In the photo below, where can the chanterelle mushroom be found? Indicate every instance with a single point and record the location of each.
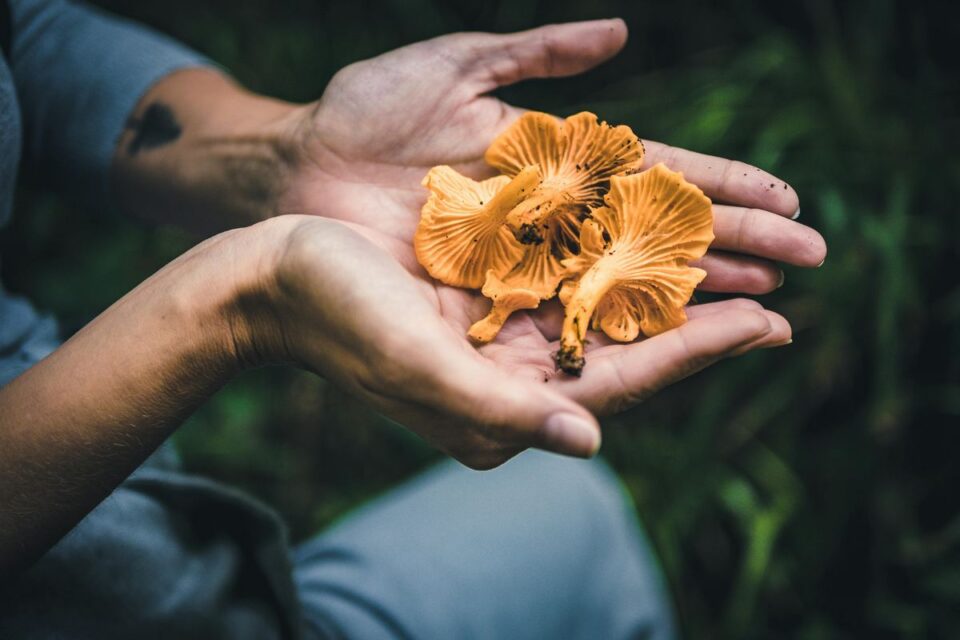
(507, 298)
(577, 156)
(633, 264)
(462, 235)
(538, 274)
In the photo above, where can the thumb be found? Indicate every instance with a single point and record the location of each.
(513, 412)
(626, 374)
(555, 50)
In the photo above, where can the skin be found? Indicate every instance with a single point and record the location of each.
(337, 290)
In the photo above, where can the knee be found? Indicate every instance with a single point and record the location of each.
(588, 487)
(630, 594)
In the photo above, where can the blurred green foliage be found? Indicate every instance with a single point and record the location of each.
(806, 492)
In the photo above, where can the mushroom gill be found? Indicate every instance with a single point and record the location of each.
(577, 156)
(539, 272)
(632, 274)
(461, 235)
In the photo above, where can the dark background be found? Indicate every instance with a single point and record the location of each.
(806, 492)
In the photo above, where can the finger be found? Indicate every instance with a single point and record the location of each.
(695, 311)
(731, 273)
(597, 340)
(728, 181)
(728, 273)
(556, 50)
(623, 375)
(510, 412)
(767, 235)
(549, 317)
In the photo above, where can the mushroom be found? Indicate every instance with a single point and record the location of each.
(578, 156)
(462, 235)
(507, 298)
(539, 273)
(632, 274)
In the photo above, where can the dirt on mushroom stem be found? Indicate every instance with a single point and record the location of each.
(590, 290)
(568, 361)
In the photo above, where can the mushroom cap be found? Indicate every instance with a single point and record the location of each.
(632, 272)
(578, 155)
(461, 234)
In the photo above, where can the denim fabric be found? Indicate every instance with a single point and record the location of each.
(166, 555)
(78, 74)
(9, 140)
(542, 547)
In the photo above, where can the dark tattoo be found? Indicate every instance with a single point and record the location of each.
(155, 128)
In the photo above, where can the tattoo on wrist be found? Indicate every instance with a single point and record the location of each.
(253, 169)
(156, 127)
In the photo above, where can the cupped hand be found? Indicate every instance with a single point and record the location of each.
(398, 339)
(383, 123)
(352, 304)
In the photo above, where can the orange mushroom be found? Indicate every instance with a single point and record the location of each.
(462, 235)
(539, 273)
(578, 156)
(632, 273)
(507, 298)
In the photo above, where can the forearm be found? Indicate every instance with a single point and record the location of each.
(202, 152)
(75, 425)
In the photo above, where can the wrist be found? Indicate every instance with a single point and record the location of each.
(290, 305)
(246, 266)
(202, 294)
(201, 151)
(86, 416)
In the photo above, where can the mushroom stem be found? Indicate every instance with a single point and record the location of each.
(514, 193)
(486, 329)
(527, 217)
(593, 285)
(506, 299)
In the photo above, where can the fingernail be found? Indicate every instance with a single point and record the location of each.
(571, 434)
(821, 263)
(774, 345)
(783, 277)
(796, 215)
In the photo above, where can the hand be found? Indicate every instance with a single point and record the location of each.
(382, 123)
(352, 304)
(367, 143)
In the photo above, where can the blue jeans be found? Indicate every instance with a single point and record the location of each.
(543, 547)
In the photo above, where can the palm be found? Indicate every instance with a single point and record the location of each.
(418, 121)
(383, 123)
(422, 121)
(524, 347)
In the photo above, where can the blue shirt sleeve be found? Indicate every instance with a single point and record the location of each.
(78, 74)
